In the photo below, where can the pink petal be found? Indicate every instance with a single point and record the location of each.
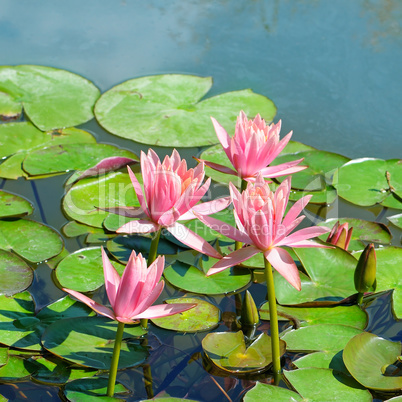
(233, 259)
(140, 226)
(207, 208)
(112, 278)
(163, 310)
(295, 210)
(223, 137)
(169, 217)
(152, 296)
(138, 190)
(218, 167)
(303, 234)
(283, 169)
(192, 240)
(282, 261)
(107, 312)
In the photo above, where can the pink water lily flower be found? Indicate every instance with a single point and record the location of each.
(171, 194)
(131, 295)
(252, 148)
(261, 224)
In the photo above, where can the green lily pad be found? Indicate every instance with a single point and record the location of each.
(17, 140)
(328, 360)
(192, 279)
(83, 270)
(347, 315)
(363, 181)
(389, 262)
(266, 392)
(366, 354)
(20, 328)
(89, 342)
(3, 356)
(16, 275)
(67, 157)
(74, 229)
(203, 317)
(332, 386)
(82, 201)
(320, 337)
(86, 390)
(228, 351)
(163, 109)
(367, 231)
(396, 220)
(51, 98)
(16, 369)
(31, 240)
(10, 109)
(12, 205)
(321, 165)
(330, 277)
(121, 247)
(113, 221)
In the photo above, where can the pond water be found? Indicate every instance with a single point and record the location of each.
(331, 68)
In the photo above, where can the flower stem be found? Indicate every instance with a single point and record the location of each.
(243, 186)
(115, 359)
(154, 247)
(276, 353)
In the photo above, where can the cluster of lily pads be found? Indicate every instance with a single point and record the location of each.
(65, 344)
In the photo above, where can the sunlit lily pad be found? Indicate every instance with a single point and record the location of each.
(88, 389)
(389, 263)
(82, 201)
(165, 110)
(10, 109)
(15, 274)
(67, 157)
(347, 315)
(366, 354)
(89, 341)
(320, 337)
(121, 247)
(17, 140)
(31, 240)
(83, 270)
(3, 356)
(330, 277)
(113, 221)
(203, 317)
(266, 392)
(20, 328)
(17, 369)
(73, 229)
(321, 166)
(329, 360)
(228, 351)
(317, 385)
(363, 181)
(12, 205)
(51, 98)
(396, 220)
(192, 279)
(362, 231)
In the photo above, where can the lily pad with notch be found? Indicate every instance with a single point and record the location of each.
(12, 205)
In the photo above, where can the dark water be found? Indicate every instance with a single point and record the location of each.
(332, 69)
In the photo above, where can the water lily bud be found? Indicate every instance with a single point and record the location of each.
(249, 313)
(366, 269)
(340, 235)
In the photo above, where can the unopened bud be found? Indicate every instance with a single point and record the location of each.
(366, 269)
(249, 313)
(340, 235)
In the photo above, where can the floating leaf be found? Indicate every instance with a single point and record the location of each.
(332, 386)
(74, 229)
(10, 109)
(347, 315)
(330, 277)
(88, 389)
(31, 240)
(366, 231)
(15, 274)
(89, 341)
(83, 270)
(228, 351)
(17, 140)
(3, 356)
(396, 220)
(363, 181)
(51, 98)
(67, 157)
(389, 262)
(203, 317)
(364, 357)
(192, 279)
(165, 110)
(16, 369)
(329, 360)
(266, 392)
(320, 337)
(12, 205)
(321, 165)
